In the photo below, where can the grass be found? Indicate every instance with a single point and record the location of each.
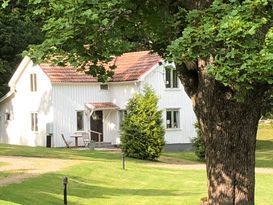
(264, 150)
(4, 175)
(99, 179)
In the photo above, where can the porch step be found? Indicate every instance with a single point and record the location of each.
(103, 145)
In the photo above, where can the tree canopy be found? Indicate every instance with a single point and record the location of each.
(223, 50)
(237, 37)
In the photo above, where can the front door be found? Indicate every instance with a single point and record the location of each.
(96, 125)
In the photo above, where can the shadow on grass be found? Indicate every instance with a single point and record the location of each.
(264, 153)
(48, 189)
(264, 145)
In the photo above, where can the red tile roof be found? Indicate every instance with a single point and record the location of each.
(102, 105)
(129, 67)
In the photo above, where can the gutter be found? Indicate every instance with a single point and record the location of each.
(10, 93)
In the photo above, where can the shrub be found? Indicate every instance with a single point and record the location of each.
(199, 144)
(142, 131)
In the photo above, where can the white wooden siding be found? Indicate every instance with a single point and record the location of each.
(172, 98)
(22, 104)
(69, 98)
(57, 104)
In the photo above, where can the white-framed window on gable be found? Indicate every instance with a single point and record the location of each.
(171, 79)
(34, 121)
(33, 82)
(172, 119)
(80, 121)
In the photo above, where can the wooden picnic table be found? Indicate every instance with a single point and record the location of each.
(76, 136)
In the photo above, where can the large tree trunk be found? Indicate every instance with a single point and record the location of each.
(230, 128)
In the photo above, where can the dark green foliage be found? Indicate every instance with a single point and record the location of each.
(199, 144)
(142, 134)
(18, 29)
(238, 40)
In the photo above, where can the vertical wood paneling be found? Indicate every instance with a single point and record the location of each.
(173, 98)
(24, 102)
(58, 104)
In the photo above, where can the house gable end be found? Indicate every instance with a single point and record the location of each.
(22, 66)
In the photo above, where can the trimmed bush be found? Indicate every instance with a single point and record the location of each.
(199, 144)
(142, 131)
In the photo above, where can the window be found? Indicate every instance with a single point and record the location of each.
(33, 82)
(34, 121)
(171, 77)
(7, 116)
(122, 114)
(80, 126)
(172, 119)
(104, 87)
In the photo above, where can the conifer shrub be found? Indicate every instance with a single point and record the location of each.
(199, 144)
(142, 131)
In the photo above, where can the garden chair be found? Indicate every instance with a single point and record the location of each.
(67, 143)
(86, 139)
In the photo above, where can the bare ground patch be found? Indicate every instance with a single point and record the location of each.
(23, 168)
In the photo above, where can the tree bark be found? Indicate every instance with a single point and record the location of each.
(230, 128)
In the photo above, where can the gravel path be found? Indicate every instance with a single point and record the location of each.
(26, 167)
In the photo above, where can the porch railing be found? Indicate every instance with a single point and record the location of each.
(98, 133)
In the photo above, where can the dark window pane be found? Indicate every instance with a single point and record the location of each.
(122, 114)
(168, 78)
(79, 120)
(175, 83)
(34, 82)
(32, 121)
(31, 84)
(176, 119)
(104, 87)
(168, 119)
(36, 121)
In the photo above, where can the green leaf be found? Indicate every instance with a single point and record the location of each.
(5, 3)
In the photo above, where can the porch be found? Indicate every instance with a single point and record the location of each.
(101, 122)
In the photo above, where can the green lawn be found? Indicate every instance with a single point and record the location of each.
(264, 150)
(99, 179)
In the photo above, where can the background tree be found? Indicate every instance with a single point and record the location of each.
(142, 131)
(18, 29)
(223, 54)
(198, 143)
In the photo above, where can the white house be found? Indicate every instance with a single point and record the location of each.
(46, 100)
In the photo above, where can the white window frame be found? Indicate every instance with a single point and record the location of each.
(34, 121)
(33, 82)
(8, 116)
(77, 123)
(171, 83)
(172, 122)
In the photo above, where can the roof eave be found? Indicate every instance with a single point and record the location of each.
(19, 71)
(10, 93)
(144, 75)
